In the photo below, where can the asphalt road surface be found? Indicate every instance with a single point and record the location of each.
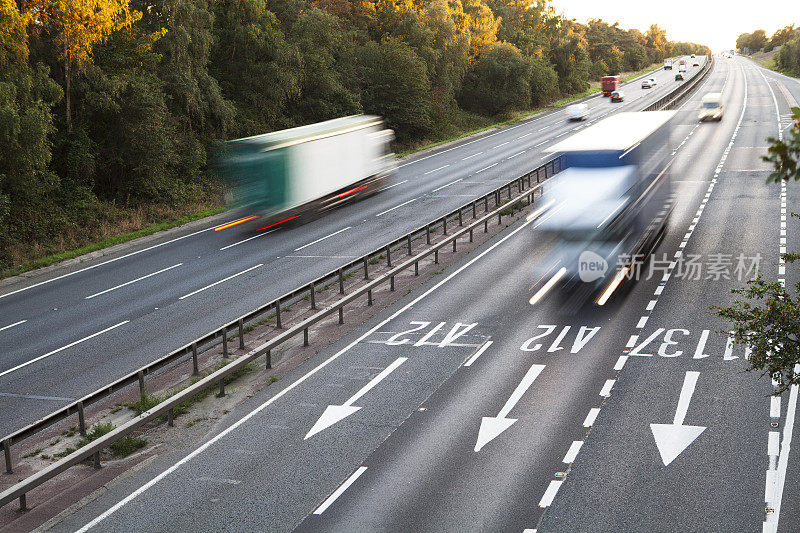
(464, 408)
(70, 331)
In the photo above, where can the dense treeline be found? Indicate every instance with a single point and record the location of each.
(786, 40)
(108, 107)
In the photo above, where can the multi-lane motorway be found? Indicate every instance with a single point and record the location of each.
(71, 330)
(463, 407)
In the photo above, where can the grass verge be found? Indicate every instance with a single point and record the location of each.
(111, 241)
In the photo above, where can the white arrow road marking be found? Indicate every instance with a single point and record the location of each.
(335, 413)
(492, 426)
(672, 439)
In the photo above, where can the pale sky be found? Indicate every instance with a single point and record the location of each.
(714, 23)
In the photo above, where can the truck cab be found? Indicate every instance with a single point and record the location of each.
(606, 211)
(711, 107)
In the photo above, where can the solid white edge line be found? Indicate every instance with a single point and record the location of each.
(107, 262)
(247, 239)
(70, 345)
(478, 353)
(395, 207)
(449, 184)
(221, 281)
(12, 325)
(292, 386)
(323, 238)
(338, 492)
(550, 493)
(132, 281)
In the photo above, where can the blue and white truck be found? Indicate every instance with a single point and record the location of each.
(605, 213)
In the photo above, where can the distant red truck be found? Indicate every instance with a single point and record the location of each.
(609, 84)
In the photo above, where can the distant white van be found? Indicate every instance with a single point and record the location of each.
(711, 107)
(577, 112)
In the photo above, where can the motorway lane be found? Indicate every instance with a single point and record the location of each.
(718, 481)
(158, 321)
(448, 484)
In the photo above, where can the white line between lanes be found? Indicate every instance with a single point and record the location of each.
(478, 353)
(12, 325)
(572, 453)
(106, 262)
(435, 169)
(132, 281)
(470, 156)
(197, 451)
(501, 144)
(247, 239)
(593, 412)
(449, 184)
(70, 345)
(323, 238)
(550, 493)
(338, 492)
(515, 155)
(392, 185)
(487, 168)
(221, 281)
(395, 207)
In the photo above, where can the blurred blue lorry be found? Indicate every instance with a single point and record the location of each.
(605, 213)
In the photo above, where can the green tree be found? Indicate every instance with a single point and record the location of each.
(499, 82)
(768, 319)
(394, 84)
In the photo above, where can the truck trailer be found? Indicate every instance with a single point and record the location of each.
(609, 84)
(294, 174)
(606, 211)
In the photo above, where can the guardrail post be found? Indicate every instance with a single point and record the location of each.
(436, 256)
(486, 226)
(428, 233)
(474, 214)
(341, 315)
(7, 453)
(454, 245)
(221, 388)
(269, 359)
(278, 314)
(81, 420)
(305, 337)
(460, 218)
(509, 191)
(391, 283)
(366, 268)
(470, 234)
(486, 204)
(341, 281)
(170, 418)
(416, 268)
(241, 334)
(23, 502)
(497, 198)
(195, 369)
(142, 389)
(409, 245)
(313, 294)
(97, 460)
(369, 297)
(389, 256)
(444, 225)
(537, 175)
(225, 342)
(499, 218)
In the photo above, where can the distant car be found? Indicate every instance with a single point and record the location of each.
(679, 76)
(711, 108)
(617, 96)
(692, 56)
(577, 112)
(646, 84)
